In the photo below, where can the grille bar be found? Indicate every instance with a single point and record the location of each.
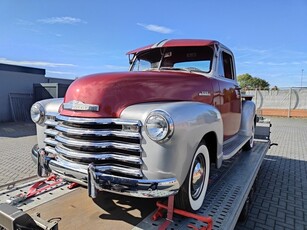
(50, 141)
(96, 132)
(95, 121)
(96, 144)
(50, 150)
(51, 123)
(51, 132)
(94, 157)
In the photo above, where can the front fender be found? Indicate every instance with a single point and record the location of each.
(51, 107)
(192, 121)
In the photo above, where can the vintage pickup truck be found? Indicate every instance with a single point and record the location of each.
(153, 131)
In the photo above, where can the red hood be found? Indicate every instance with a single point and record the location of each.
(113, 92)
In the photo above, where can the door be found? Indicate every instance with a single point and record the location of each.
(230, 106)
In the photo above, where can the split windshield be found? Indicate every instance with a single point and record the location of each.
(192, 59)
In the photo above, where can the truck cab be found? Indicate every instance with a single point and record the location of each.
(153, 131)
(207, 58)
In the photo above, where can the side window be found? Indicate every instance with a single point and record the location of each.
(226, 66)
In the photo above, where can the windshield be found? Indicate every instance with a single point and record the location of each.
(198, 59)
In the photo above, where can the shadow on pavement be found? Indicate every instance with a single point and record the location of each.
(17, 129)
(122, 208)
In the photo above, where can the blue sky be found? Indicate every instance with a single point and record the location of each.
(73, 38)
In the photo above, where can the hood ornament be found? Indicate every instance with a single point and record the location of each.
(80, 106)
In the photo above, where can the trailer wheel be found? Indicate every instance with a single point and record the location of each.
(250, 144)
(245, 210)
(192, 193)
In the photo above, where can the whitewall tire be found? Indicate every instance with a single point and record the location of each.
(192, 193)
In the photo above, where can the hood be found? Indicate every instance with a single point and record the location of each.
(113, 92)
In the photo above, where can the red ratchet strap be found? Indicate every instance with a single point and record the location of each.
(171, 210)
(41, 186)
(35, 189)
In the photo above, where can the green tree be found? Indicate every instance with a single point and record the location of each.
(247, 81)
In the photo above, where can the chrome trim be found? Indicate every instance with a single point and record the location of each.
(130, 187)
(51, 114)
(169, 122)
(50, 141)
(90, 157)
(115, 169)
(96, 180)
(50, 150)
(113, 145)
(198, 176)
(51, 123)
(80, 106)
(204, 93)
(96, 132)
(96, 144)
(51, 132)
(99, 121)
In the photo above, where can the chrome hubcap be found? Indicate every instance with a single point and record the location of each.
(198, 176)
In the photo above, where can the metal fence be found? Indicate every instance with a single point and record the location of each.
(287, 102)
(20, 104)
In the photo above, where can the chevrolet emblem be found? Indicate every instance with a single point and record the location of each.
(79, 105)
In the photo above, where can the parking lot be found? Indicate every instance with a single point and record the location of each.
(280, 200)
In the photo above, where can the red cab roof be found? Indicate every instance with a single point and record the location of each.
(175, 43)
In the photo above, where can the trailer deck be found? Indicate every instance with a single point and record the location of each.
(228, 191)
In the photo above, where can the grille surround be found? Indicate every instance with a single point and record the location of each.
(113, 145)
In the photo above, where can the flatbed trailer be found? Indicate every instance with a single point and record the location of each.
(228, 196)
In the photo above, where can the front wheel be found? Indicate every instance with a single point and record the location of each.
(192, 193)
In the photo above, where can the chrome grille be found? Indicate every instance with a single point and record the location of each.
(113, 145)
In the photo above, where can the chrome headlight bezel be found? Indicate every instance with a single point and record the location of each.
(159, 126)
(37, 113)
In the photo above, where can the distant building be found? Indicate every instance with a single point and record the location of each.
(17, 87)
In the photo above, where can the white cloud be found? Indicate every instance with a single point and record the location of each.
(156, 28)
(61, 20)
(22, 22)
(35, 63)
(250, 50)
(61, 72)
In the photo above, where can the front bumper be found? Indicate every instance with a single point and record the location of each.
(95, 180)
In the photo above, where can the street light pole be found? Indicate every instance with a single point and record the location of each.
(302, 78)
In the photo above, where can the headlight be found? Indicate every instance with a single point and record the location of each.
(159, 126)
(37, 113)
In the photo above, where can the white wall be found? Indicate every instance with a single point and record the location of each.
(15, 82)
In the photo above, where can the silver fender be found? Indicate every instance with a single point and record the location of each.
(51, 107)
(192, 120)
(247, 118)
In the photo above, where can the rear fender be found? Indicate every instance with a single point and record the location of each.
(247, 118)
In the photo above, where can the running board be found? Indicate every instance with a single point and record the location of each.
(234, 146)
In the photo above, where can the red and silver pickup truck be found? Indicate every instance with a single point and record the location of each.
(153, 131)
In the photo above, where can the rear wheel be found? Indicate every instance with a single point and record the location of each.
(192, 193)
(250, 144)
